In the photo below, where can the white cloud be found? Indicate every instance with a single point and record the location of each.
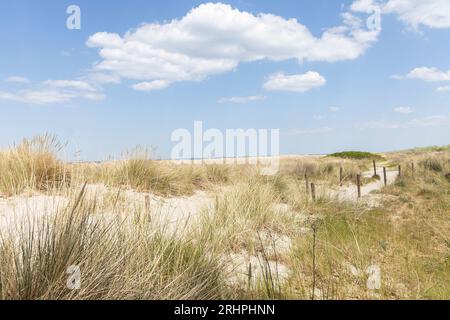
(429, 74)
(334, 109)
(318, 117)
(94, 96)
(429, 13)
(404, 110)
(397, 77)
(311, 131)
(430, 121)
(103, 78)
(151, 85)
(60, 91)
(214, 38)
(363, 5)
(18, 79)
(242, 99)
(37, 97)
(413, 13)
(294, 83)
(72, 84)
(443, 89)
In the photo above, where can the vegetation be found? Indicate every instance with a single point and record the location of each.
(356, 155)
(257, 237)
(32, 165)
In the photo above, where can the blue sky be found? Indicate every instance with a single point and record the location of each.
(234, 64)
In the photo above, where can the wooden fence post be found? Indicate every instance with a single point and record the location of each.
(307, 182)
(358, 183)
(374, 168)
(313, 191)
(147, 203)
(385, 176)
(399, 170)
(341, 175)
(249, 274)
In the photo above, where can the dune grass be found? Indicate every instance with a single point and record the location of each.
(139, 171)
(125, 259)
(325, 169)
(122, 253)
(33, 165)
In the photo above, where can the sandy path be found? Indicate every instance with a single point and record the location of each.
(350, 192)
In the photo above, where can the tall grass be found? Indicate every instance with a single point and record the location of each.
(123, 253)
(127, 259)
(32, 165)
(325, 169)
(140, 172)
(407, 237)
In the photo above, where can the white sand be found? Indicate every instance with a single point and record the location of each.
(350, 192)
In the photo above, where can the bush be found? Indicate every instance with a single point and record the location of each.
(447, 176)
(358, 155)
(432, 165)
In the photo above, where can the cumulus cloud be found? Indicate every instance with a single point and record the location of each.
(429, 13)
(294, 83)
(413, 13)
(215, 38)
(151, 85)
(54, 91)
(241, 100)
(443, 89)
(429, 74)
(397, 77)
(404, 110)
(18, 79)
(103, 78)
(430, 121)
(73, 84)
(364, 5)
(37, 97)
(425, 74)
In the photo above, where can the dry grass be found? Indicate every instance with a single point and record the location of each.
(325, 169)
(118, 259)
(32, 165)
(407, 237)
(140, 172)
(124, 254)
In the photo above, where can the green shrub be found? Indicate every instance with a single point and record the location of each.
(358, 155)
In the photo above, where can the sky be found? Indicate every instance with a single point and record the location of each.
(330, 75)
